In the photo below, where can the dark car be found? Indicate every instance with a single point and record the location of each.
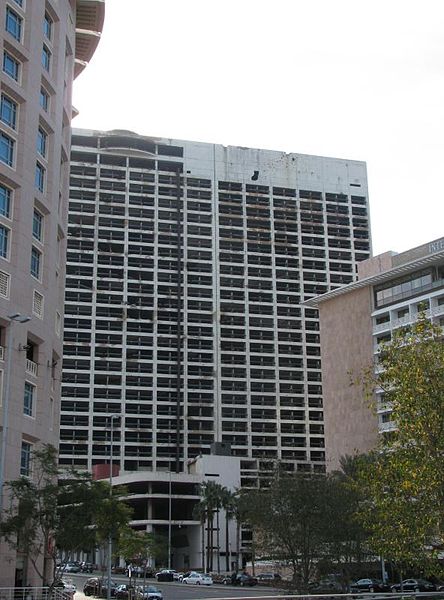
(414, 585)
(242, 579)
(370, 585)
(86, 567)
(165, 575)
(98, 586)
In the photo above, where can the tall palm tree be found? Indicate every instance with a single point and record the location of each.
(211, 494)
(229, 505)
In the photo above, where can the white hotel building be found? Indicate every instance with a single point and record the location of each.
(187, 265)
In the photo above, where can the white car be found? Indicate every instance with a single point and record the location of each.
(197, 578)
(149, 592)
(68, 585)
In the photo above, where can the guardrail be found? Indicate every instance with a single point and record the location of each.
(34, 593)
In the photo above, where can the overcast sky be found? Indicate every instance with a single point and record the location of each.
(357, 79)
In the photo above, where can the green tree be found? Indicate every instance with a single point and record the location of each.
(212, 495)
(288, 522)
(49, 512)
(305, 520)
(139, 546)
(403, 483)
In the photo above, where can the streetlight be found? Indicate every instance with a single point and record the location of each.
(18, 318)
(110, 537)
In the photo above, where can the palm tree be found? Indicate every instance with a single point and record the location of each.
(229, 505)
(211, 494)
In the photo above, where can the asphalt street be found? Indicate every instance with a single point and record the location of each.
(181, 591)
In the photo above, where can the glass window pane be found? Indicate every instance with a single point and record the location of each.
(13, 24)
(6, 149)
(28, 399)
(44, 99)
(35, 263)
(8, 111)
(47, 26)
(25, 459)
(46, 58)
(11, 66)
(37, 226)
(39, 177)
(5, 201)
(41, 141)
(4, 239)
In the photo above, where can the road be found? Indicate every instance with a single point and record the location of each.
(181, 591)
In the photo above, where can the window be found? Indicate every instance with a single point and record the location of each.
(46, 57)
(5, 201)
(42, 138)
(8, 111)
(37, 225)
(6, 149)
(36, 257)
(11, 66)
(13, 24)
(19, 2)
(47, 26)
(28, 399)
(37, 304)
(4, 284)
(39, 177)
(44, 99)
(4, 241)
(25, 459)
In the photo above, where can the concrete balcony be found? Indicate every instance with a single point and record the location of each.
(385, 427)
(90, 15)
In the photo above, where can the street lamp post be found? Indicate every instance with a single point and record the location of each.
(18, 318)
(110, 537)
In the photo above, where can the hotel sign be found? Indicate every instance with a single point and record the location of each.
(436, 246)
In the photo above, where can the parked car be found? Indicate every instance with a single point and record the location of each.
(370, 585)
(149, 592)
(67, 585)
(414, 585)
(325, 586)
(72, 567)
(242, 579)
(165, 575)
(122, 591)
(266, 577)
(86, 567)
(97, 586)
(197, 578)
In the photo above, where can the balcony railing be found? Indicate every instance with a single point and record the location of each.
(31, 367)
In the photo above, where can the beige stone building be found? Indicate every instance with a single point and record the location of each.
(44, 45)
(354, 320)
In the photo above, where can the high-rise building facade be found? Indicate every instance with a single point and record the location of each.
(187, 265)
(44, 45)
(392, 289)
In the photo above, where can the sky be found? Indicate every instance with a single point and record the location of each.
(356, 79)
